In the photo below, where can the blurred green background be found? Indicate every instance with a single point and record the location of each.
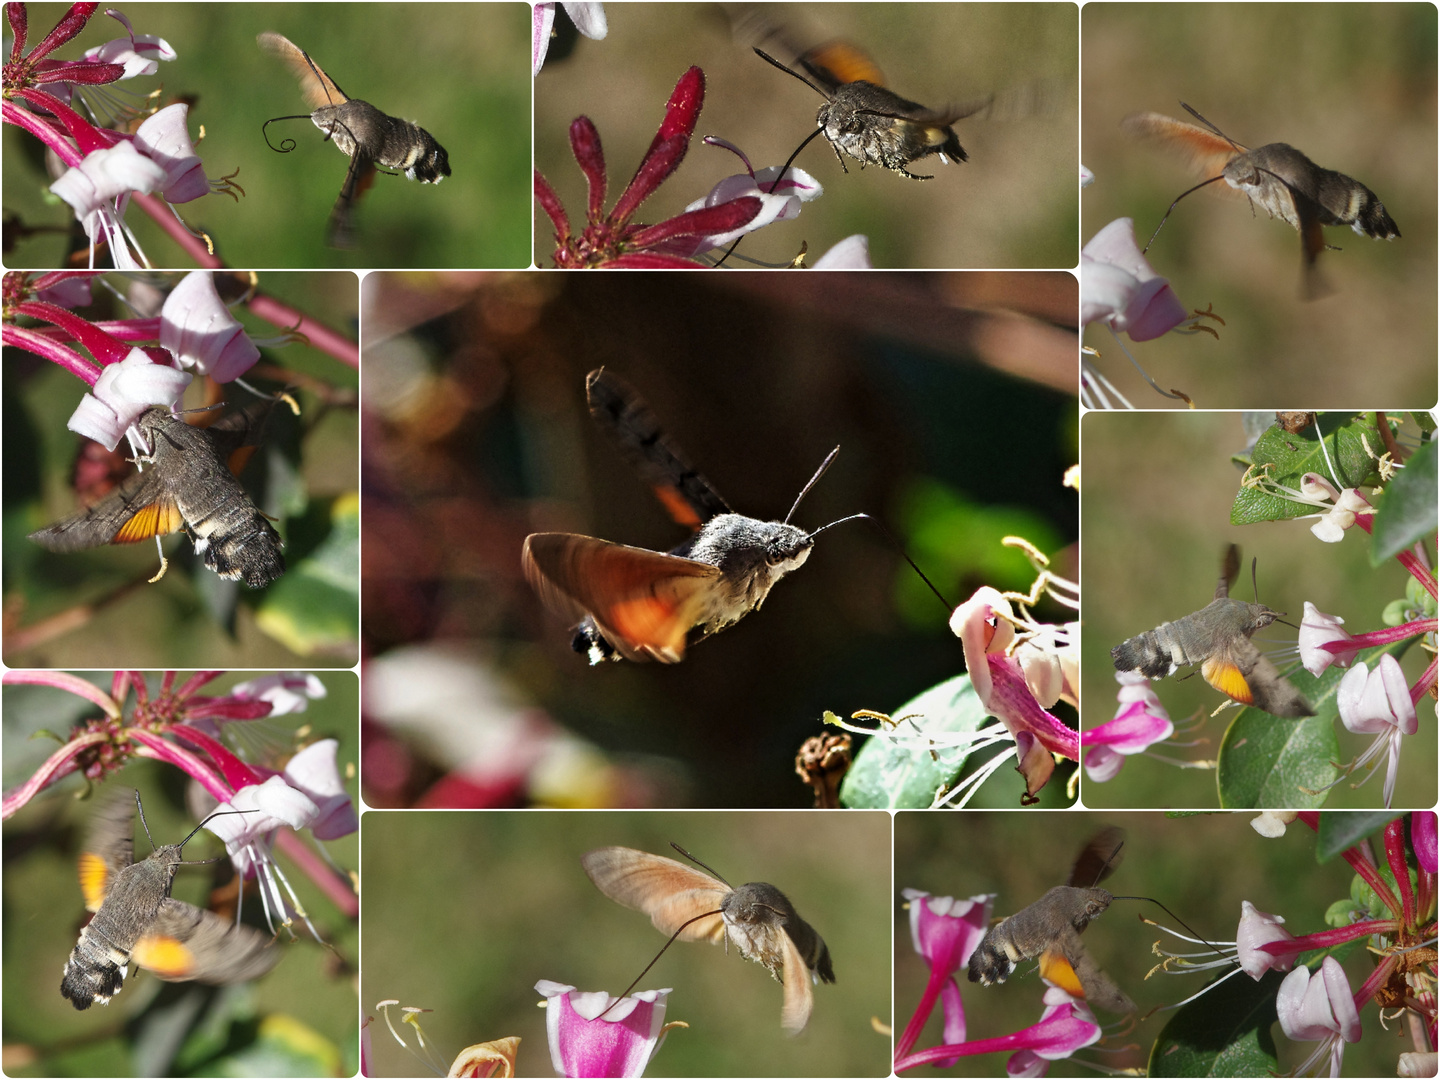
(95, 607)
(1011, 205)
(940, 389)
(1199, 867)
(1350, 85)
(298, 1020)
(458, 70)
(464, 912)
(1156, 511)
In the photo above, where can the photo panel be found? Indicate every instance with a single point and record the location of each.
(268, 569)
(499, 510)
(421, 93)
(1221, 878)
(465, 912)
(257, 946)
(1163, 498)
(991, 87)
(1322, 115)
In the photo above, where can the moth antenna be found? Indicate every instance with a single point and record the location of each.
(146, 825)
(700, 864)
(790, 71)
(286, 145)
(673, 936)
(1100, 876)
(143, 823)
(1254, 581)
(894, 543)
(1209, 125)
(322, 78)
(1194, 189)
(818, 473)
(779, 179)
(1177, 918)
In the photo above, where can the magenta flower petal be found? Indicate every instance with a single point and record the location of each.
(165, 140)
(1317, 630)
(1422, 838)
(715, 219)
(590, 155)
(1259, 928)
(121, 393)
(594, 1034)
(1118, 286)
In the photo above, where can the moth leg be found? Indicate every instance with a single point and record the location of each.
(840, 159)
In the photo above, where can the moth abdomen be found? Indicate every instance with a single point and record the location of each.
(1151, 653)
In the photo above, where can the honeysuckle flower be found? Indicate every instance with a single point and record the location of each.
(1258, 928)
(493, 1058)
(197, 327)
(780, 198)
(594, 1034)
(612, 239)
(984, 624)
(1065, 1026)
(122, 392)
(165, 139)
(70, 291)
(286, 691)
(136, 53)
(1416, 1063)
(852, 253)
(945, 931)
(588, 17)
(98, 190)
(1119, 287)
(1318, 632)
(1319, 1007)
(1422, 837)
(267, 806)
(1378, 703)
(1139, 722)
(1332, 524)
(1272, 824)
(314, 772)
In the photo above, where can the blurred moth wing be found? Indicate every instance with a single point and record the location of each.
(137, 920)
(1050, 929)
(188, 483)
(1280, 179)
(756, 917)
(1217, 637)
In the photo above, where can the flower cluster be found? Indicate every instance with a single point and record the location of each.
(105, 166)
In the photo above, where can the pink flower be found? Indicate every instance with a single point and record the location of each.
(594, 1034)
(985, 635)
(286, 691)
(98, 191)
(780, 200)
(1332, 525)
(1422, 837)
(197, 327)
(1319, 1007)
(1140, 721)
(852, 253)
(1117, 286)
(611, 239)
(122, 392)
(1378, 703)
(588, 17)
(165, 139)
(944, 931)
(1259, 928)
(137, 53)
(313, 772)
(1066, 1025)
(1317, 630)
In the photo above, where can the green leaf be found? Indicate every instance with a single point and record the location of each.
(1341, 831)
(1289, 457)
(1224, 1033)
(1408, 511)
(889, 777)
(314, 607)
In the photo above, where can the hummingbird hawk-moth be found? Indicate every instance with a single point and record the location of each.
(1278, 178)
(136, 919)
(640, 604)
(757, 918)
(1217, 637)
(186, 485)
(367, 136)
(1051, 927)
(871, 123)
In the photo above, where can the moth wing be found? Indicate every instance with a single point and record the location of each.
(837, 62)
(643, 602)
(139, 509)
(1204, 151)
(109, 846)
(340, 229)
(185, 942)
(670, 892)
(622, 414)
(799, 991)
(241, 428)
(1229, 571)
(1098, 859)
(316, 87)
(1070, 966)
(1242, 673)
